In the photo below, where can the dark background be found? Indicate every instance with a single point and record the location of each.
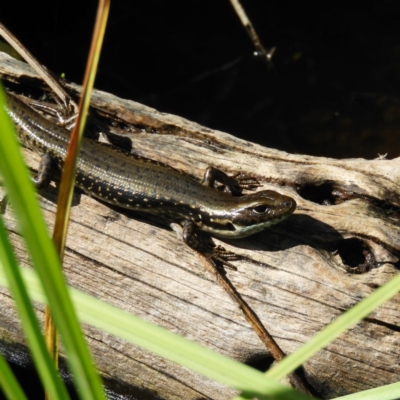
(333, 90)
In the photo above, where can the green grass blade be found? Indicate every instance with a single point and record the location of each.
(45, 259)
(168, 345)
(37, 346)
(387, 392)
(8, 383)
(332, 331)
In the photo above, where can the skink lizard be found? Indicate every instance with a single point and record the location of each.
(121, 178)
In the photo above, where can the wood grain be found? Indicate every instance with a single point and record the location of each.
(295, 277)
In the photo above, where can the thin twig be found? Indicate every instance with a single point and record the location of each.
(248, 313)
(68, 176)
(260, 49)
(69, 105)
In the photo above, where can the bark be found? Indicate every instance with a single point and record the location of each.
(296, 276)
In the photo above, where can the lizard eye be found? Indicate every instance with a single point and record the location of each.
(260, 209)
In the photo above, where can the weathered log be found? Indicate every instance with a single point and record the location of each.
(296, 277)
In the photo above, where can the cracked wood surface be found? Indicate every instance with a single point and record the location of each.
(295, 277)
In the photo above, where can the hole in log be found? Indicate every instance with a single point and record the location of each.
(320, 194)
(261, 362)
(327, 194)
(356, 255)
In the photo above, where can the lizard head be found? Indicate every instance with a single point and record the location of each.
(249, 214)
